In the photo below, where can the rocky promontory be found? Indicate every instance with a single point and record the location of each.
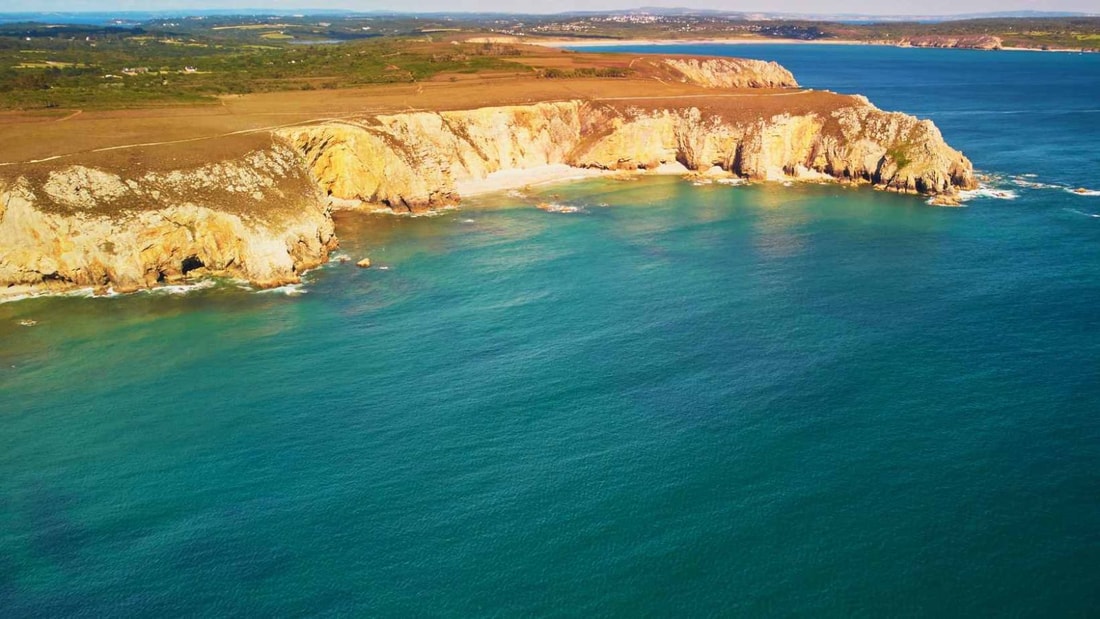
(973, 41)
(418, 161)
(259, 218)
(264, 215)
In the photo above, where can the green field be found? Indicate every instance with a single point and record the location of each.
(191, 60)
(82, 67)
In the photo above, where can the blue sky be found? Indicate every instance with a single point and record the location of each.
(879, 7)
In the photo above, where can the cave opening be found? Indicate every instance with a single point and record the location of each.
(191, 263)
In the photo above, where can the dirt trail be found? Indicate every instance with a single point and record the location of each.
(73, 115)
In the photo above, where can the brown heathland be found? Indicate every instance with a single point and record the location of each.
(180, 136)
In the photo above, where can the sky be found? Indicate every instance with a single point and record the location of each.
(874, 7)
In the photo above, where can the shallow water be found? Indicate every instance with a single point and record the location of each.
(676, 400)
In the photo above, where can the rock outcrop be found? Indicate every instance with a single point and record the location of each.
(265, 216)
(258, 219)
(732, 73)
(414, 162)
(973, 41)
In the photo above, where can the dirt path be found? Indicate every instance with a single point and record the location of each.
(695, 96)
(201, 138)
(73, 115)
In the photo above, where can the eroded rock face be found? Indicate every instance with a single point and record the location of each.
(258, 219)
(410, 162)
(264, 217)
(413, 162)
(973, 41)
(732, 73)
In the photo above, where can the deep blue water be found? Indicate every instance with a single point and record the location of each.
(681, 400)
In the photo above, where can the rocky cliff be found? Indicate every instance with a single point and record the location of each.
(973, 41)
(263, 216)
(258, 218)
(731, 73)
(416, 161)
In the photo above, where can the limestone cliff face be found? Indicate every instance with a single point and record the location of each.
(732, 73)
(258, 219)
(973, 41)
(412, 162)
(264, 216)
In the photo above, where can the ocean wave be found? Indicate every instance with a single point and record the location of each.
(85, 293)
(553, 207)
(77, 293)
(1093, 215)
(986, 191)
(16, 297)
(182, 288)
(1028, 181)
(1023, 180)
(1081, 191)
(721, 180)
(290, 290)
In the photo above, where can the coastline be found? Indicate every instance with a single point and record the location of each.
(505, 180)
(586, 43)
(519, 178)
(261, 209)
(706, 41)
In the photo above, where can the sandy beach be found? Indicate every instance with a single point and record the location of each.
(526, 177)
(505, 180)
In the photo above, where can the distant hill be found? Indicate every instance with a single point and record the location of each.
(136, 17)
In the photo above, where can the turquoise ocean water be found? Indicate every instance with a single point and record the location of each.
(678, 401)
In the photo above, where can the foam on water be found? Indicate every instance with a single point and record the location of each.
(182, 288)
(1081, 191)
(290, 290)
(1024, 180)
(553, 207)
(985, 191)
(734, 180)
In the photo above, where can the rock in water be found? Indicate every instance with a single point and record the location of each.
(363, 264)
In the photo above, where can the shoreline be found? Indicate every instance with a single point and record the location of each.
(707, 41)
(518, 178)
(538, 176)
(586, 43)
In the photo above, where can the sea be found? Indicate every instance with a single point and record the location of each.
(654, 399)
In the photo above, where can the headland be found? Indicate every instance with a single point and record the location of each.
(124, 200)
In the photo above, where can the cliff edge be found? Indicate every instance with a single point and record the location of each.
(111, 220)
(417, 161)
(258, 218)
